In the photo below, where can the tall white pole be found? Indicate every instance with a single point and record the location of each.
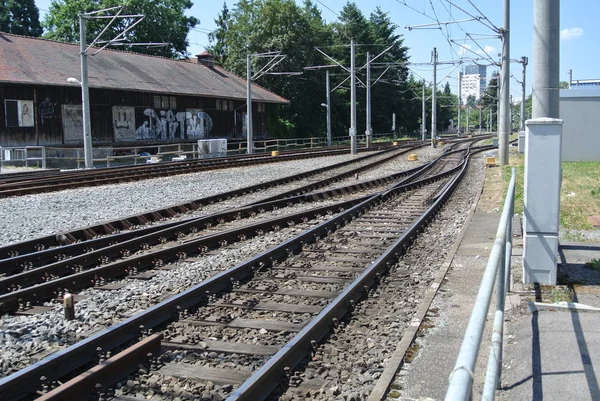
(352, 99)
(546, 58)
(424, 116)
(85, 97)
(504, 121)
(434, 101)
(369, 130)
(524, 61)
(328, 110)
(250, 142)
(459, 100)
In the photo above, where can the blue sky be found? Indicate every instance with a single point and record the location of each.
(579, 27)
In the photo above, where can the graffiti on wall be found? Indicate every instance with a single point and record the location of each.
(72, 123)
(172, 124)
(161, 124)
(198, 123)
(47, 110)
(124, 123)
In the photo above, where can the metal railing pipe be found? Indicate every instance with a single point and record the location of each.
(461, 378)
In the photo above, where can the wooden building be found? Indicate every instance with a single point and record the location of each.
(134, 98)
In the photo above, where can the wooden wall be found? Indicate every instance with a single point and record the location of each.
(57, 116)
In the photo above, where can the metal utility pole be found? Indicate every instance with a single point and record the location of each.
(468, 115)
(84, 47)
(570, 78)
(459, 100)
(249, 141)
(424, 116)
(434, 101)
(524, 61)
(369, 130)
(504, 121)
(85, 96)
(328, 110)
(546, 58)
(352, 98)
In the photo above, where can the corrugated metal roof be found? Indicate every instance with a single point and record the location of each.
(44, 62)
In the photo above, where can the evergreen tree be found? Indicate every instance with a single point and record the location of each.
(165, 22)
(20, 17)
(217, 38)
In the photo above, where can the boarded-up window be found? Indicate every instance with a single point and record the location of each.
(19, 113)
(218, 105)
(231, 105)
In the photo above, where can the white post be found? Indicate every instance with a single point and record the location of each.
(328, 110)
(369, 130)
(85, 97)
(434, 101)
(524, 60)
(424, 115)
(459, 100)
(249, 141)
(352, 99)
(504, 121)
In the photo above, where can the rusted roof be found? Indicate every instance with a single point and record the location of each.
(44, 62)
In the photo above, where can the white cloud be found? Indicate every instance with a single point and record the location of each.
(463, 49)
(491, 50)
(571, 33)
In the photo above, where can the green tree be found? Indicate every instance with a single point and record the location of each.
(282, 25)
(489, 99)
(165, 22)
(20, 17)
(563, 85)
(217, 38)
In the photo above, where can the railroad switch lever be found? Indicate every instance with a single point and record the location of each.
(69, 306)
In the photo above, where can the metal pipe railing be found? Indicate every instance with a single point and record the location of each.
(496, 272)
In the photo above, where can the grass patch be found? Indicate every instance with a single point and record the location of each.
(580, 195)
(594, 265)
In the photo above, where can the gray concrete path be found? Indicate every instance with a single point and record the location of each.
(548, 355)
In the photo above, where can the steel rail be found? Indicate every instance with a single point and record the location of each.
(74, 357)
(261, 384)
(92, 247)
(86, 233)
(100, 177)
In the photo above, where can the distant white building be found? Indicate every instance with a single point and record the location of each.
(470, 85)
(516, 99)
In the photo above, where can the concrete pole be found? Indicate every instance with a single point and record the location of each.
(85, 97)
(434, 101)
(570, 78)
(369, 130)
(352, 99)
(424, 115)
(491, 121)
(468, 115)
(459, 100)
(250, 142)
(328, 110)
(504, 121)
(546, 58)
(524, 61)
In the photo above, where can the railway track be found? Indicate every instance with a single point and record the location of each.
(337, 259)
(46, 274)
(22, 184)
(323, 176)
